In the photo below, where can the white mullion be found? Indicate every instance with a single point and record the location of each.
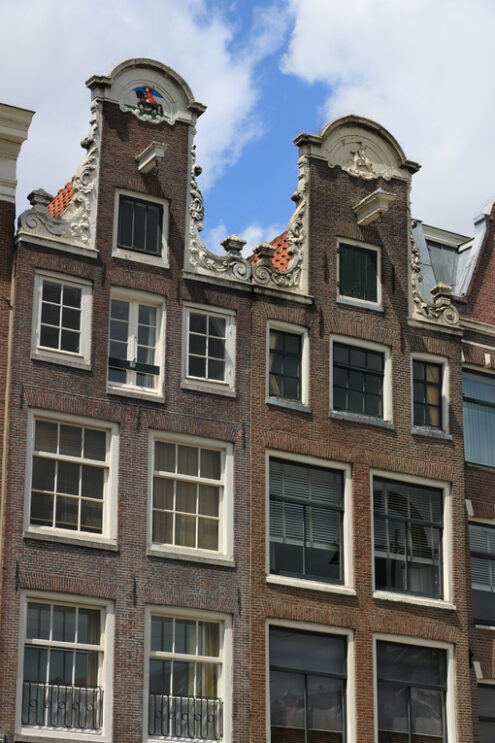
(132, 338)
(188, 478)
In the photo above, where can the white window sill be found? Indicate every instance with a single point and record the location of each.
(59, 357)
(433, 433)
(289, 404)
(489, 627)
(191, 555)
(418, 600)
(33, 735)
(136, 393)
(343, 415)
(310, 585)
(360, 304)
(86, 540)
(214, 388)
(138, 257)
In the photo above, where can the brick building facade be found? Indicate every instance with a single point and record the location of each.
(235, 501)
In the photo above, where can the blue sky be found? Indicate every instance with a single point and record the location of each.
(267, 71)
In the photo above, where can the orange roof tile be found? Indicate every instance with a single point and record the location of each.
(281, 257)
(61, 201)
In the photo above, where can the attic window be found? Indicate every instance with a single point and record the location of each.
(359, 273)
(140, 225)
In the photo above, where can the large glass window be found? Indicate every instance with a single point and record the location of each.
(140, 225)
(70, 471)
(412, 685)
(185, 678)
(285, 365)
(408, 528)
(307, 686)
(486, 710)
(306, 514)
(188, 488)
(358, 379)
(479, 418)
(134, 350)
(63, 656)
(358, 273)
(427, 394)
(482, 544)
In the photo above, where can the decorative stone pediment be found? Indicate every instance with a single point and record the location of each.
(148, 89)
(361, 147)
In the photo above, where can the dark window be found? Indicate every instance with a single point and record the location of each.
(60, 320)
(285, 365)
(408, 537)
(306, 511)
(358, 273)
(358, 380)
(134, 330)
(411, 694)
(207, 340)
(307, 687)
(486, 710)
(482, 544)
(427, 384)
(140, 225)
(479, 418)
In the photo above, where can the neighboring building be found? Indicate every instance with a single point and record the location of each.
(241, 499)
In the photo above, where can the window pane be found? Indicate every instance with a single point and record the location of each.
(95, 444)
(38, 621)
(185, 636)
(70, 440)
(46, 436)
(64, 623)
(165, 456)
(210, 464)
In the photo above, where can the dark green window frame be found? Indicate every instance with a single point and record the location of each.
(409, 689)
(358, 273)
(427, 394)
(306, 521)
(358, 380)
(285, 364)
(408, 531)
(140, 225)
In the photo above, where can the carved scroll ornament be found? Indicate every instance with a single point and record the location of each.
(441, 310)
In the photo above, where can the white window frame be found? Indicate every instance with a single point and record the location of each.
(347, 552)
(108, 537)
(386, 419)
(303, 333)
(225, 554)
(218, 387)
(355, 301)
(450, 710)
(82, 359)
(136, 298)
(441, 361)
(350, 701)
(105, 671)
(446, 602)
(134, 255)
(226, 644)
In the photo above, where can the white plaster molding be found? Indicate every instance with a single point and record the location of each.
(373, 206)
(441, 311)
(76, 226)
(165, 96)
(150, 157)
(14, 125)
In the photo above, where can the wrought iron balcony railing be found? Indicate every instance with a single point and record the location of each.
(62, 706)
(185, 717)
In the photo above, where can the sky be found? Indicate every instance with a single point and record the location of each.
(268, 71)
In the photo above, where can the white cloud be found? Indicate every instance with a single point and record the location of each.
(254, 234)
(53, 47)
(422, 68)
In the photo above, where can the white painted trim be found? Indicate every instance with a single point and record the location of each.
(134, 255)
(43, 353)
(445, 390)
(106, 671)
(110, 495)
(405, 598)
(350, 667)
(347, 520)
(221, 387)
(450, 711)
(226, 659)
(387, 378)
(303, 332)
(364, 303)
(135, 298)
(225, 553)
(447, 547)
